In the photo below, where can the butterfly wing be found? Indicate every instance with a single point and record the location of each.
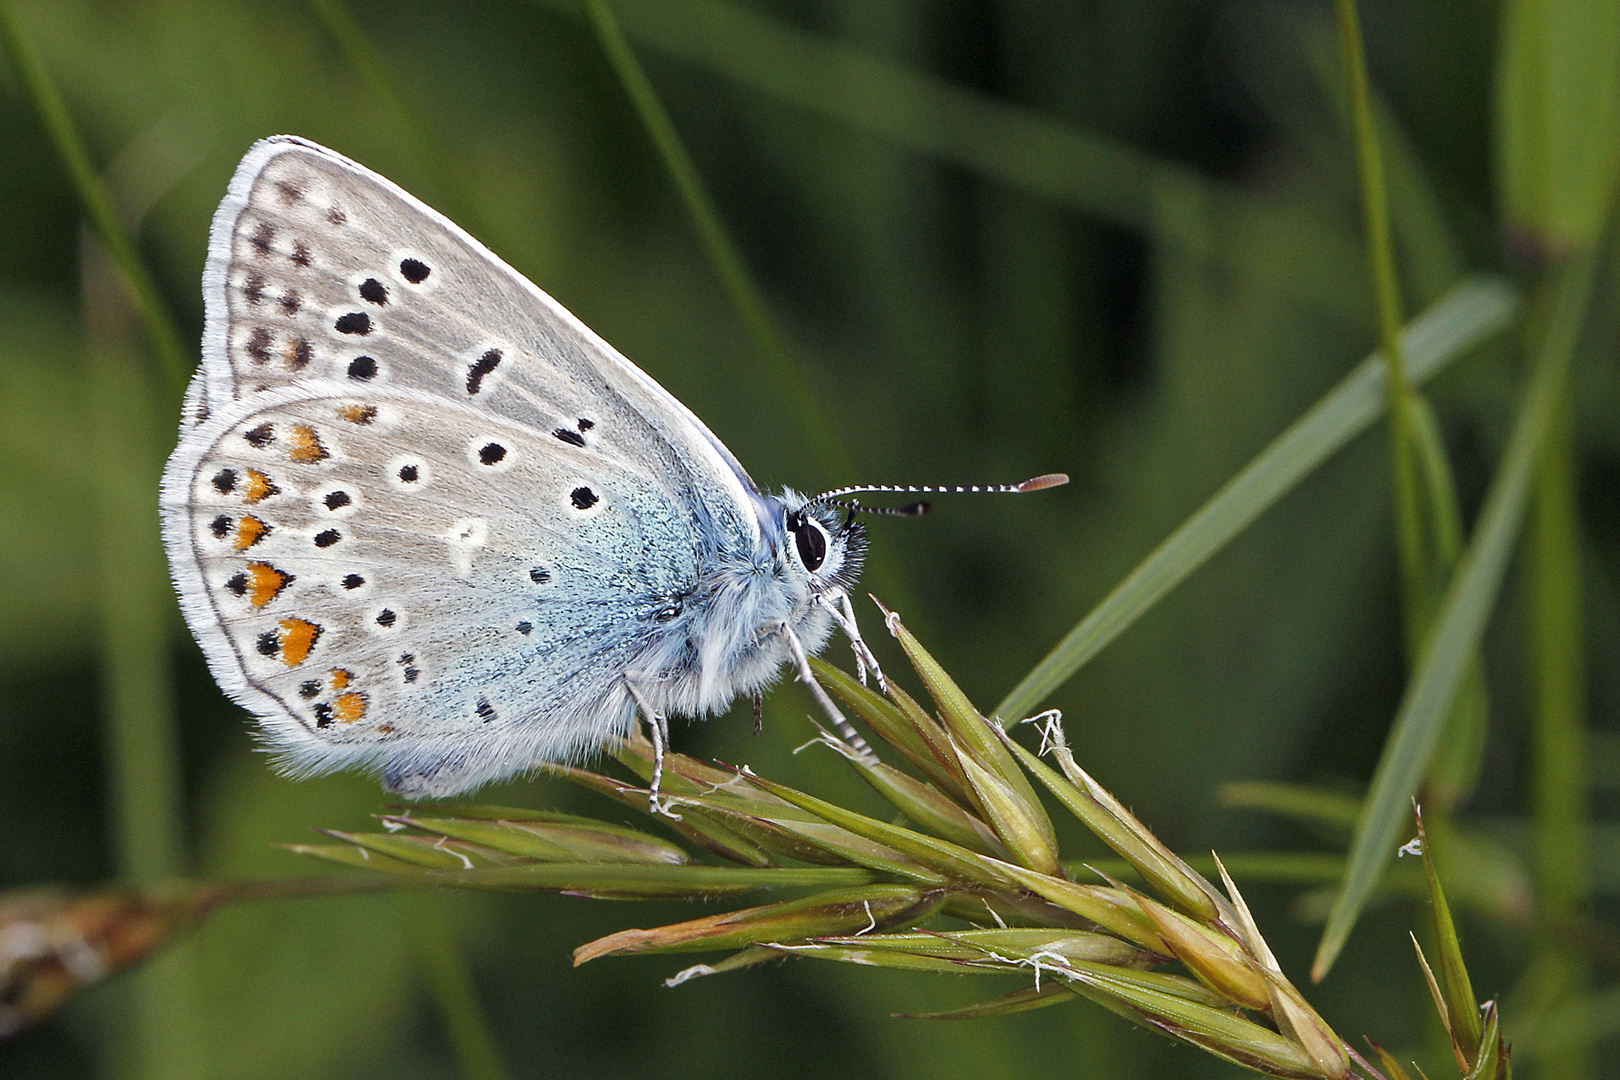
(414, 585)
(320, 268)
(421, 518)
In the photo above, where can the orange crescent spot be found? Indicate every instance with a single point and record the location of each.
(306, 448)
(358, 414)
(349, 707)
(259, 487)
(249, 531)
(340, 678)
(298, 637)
(265, 583)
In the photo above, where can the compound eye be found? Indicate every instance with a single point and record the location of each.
(812, 541)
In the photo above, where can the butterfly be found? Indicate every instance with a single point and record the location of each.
(423, 522)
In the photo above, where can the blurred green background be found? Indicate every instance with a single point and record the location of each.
(1119, 238)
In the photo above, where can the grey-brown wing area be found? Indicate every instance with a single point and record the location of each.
(320, 269)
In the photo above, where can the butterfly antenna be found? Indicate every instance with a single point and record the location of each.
(916, 509)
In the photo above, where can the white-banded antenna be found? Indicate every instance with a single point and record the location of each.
(1037, 483)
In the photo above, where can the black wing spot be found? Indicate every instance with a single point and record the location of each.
(408, 662)
(539, 575)
(373, 291)
(362, 369)
(263, 236)
(258, 345)
(414, 270)
(237, 584)
(353, 581)
(336, 216)
(337, 500)
(568, 435)
(480, 368)
(584, 498)
(290, 302)
(291, 191)
(354, 322)
(269, 643)
(409, 474)
(220, 527)
(485, 709)
(260, 436)
(586, 425)
(225, 481)
(327, 537)
(253, 289)
(300, 253)
(302, 353)
(491, 453)
(323, 714)
(386, 617)
(309, 689)
(524, 627)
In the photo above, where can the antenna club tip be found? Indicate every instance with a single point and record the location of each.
(1041, 483)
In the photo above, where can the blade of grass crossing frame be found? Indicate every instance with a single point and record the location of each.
(1461, 619)
(369, 62)
(146, 800)
(1467, 316)
(1015, 146)
(1561, 971)
(1403, 434)
(718, 243)
(1457, 763)
(1428, 524)
(450, 984)
(156, 319)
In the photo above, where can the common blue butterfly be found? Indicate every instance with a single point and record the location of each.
(424, 522)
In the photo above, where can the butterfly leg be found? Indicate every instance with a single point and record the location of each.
(843, 613)
(759, 712)
(801, 660)
(658, 728)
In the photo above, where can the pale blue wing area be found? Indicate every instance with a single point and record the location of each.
(401, 582)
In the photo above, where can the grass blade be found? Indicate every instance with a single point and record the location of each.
(371, 65)
(1561, 971)
(1468, 315)
(450, 983)
(174, 358)
(1461, 619)
(719, 245)
(1427, 521)
(1403, 428)
(1016, 146)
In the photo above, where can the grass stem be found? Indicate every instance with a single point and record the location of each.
(97, 202)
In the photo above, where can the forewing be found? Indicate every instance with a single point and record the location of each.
(418, 585)
(318, 268)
